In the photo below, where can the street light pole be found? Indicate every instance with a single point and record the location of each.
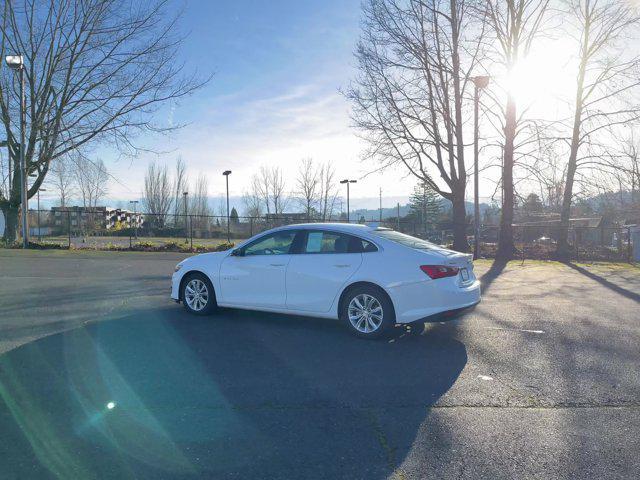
(226, 173)
(479, 83)
(135, 216)
(16, 62)
(348, 210)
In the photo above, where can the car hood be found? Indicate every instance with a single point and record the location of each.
(210, 258)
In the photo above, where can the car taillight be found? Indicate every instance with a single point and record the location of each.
(439, 271)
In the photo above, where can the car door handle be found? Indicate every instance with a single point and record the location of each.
(277, 264)
(342, 265)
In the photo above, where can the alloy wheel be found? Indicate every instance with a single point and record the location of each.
(365, 313)
(196, 294)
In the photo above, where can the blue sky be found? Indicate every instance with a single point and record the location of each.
(274, 98)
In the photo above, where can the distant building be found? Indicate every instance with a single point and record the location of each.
(588, 230)
(286, 218)
(102, 217)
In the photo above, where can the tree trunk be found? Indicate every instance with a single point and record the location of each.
(563, 250)
(11, 222)
(459, 224)
(505, 240)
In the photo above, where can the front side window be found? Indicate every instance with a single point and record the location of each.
(277, 243)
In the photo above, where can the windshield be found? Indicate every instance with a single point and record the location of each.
(406, 240)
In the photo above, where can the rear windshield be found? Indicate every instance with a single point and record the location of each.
(406, 240)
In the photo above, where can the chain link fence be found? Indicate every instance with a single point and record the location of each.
(119, 229)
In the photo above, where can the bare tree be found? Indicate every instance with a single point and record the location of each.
(308, 186)
(180, 182)
(252, 205)
(91, 176)
(277, 188)
(221, 211)
(415, 59)
(269, 186)
(62, 179)
(328, 191)
(260, 188)
(515, 24)
(94, 70)
(608, 75)
(632, 154)
(199, 203)
(158, 193)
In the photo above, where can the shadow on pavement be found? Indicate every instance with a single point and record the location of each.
(603, 281)
(494, 272)
(166, 395)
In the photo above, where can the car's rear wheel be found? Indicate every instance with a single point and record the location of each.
(198, 296)
(368, 311)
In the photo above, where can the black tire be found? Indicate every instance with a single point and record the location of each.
(364, 326)
(196, 287)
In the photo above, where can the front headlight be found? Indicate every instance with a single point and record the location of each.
(178, 267)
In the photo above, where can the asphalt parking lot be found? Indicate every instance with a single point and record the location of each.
(102, 376)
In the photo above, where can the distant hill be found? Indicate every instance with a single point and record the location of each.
(373, 215)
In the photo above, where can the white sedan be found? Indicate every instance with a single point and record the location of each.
(369, 277)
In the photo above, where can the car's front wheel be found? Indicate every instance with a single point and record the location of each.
(198, 296)
(368, 311)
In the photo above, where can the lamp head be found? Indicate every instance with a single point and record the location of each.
(344, 181)
(14, 61)
(481, 81)
(227, 172)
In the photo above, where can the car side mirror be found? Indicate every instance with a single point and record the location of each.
(237, 252)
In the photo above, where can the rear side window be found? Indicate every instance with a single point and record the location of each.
(406, 240)
(326, 242)
(334, 242)
(358, 245)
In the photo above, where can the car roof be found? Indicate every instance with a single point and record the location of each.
(365, 231)
(336, 226)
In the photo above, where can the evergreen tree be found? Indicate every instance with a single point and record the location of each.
(532, 205)
(425, 207)
(233, 217)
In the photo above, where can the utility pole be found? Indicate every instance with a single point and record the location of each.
(38, 196)
(479, 83)
(226, 173)
(135, 216)
(398, 216)
(348, 182)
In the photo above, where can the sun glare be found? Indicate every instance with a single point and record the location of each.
(544, 80)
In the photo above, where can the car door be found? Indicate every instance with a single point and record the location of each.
(318, 273)
(255, 275)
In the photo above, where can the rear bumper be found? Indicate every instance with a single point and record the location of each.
(433, 300)
(447, 315)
